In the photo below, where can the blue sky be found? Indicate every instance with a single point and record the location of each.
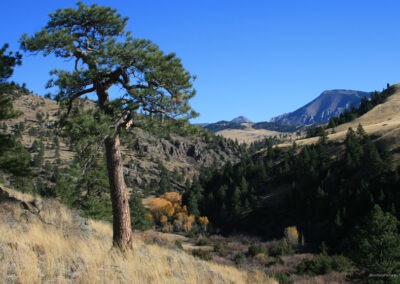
(253, 58)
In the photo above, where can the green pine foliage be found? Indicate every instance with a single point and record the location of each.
(192, 196)
(164, 184)
(106, 56)
(139, 215)
(84, 183)
(87, 191)
(8, 61)
(376, 244)
(323, 264)
(227, 197)
(14, 158)
(325, 193)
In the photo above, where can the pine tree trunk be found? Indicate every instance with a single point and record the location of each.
(122, 231)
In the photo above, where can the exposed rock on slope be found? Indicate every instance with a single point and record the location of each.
(143, 151)
(330, 103)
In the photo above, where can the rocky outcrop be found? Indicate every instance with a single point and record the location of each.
(143, 150)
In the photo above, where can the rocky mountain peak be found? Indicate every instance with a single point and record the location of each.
(328, 104)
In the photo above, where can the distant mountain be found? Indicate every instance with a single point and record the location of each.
(235, 123)
(330, 103)
(222, 125)
(241, 119)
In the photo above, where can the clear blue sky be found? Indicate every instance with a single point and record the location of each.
(253, 58)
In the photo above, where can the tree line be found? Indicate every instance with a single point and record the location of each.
(329, 192)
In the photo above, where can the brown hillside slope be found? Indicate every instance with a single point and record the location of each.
(181, 155)
(60, 247)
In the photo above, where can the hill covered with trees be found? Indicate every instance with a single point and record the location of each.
(327, 190)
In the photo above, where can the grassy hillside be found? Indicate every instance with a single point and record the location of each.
(382, 123)
(60, 247)
(382, 119)
(247, 134)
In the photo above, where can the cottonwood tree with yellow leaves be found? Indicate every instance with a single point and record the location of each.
(168, 212)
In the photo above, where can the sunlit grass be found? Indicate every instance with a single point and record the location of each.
(62, 248)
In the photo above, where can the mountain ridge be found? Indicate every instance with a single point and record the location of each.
(328, 104)
(241, 119)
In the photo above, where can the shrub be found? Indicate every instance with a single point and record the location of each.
(239, 258)
(179, 244)
(282, 248)
(317, 266)
(167, 228)
(217, 248)
(261, 259)
(202, 254)
(341, 263)
(275, 261)
(323, 264)
(256, 249)
(191, 234)
(203, 242)
(281, 277)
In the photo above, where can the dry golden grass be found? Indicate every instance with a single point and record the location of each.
(63, 248)
(247, 135)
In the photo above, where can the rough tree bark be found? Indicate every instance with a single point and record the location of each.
(122, 230)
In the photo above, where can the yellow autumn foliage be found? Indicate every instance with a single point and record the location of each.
(292, 235)
(163, 219)
(167, 228)
(203, 220)
(171, 215)
(159, 207)
(173, 197)
(183, 222)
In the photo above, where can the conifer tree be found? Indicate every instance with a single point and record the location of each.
(140, 220)
(377, 244)
(13, 157)
(164, 185)
(192, 197)
(105, 55)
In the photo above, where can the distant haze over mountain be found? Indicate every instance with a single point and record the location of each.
(329, 103)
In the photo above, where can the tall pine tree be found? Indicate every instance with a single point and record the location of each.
(106, 55)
